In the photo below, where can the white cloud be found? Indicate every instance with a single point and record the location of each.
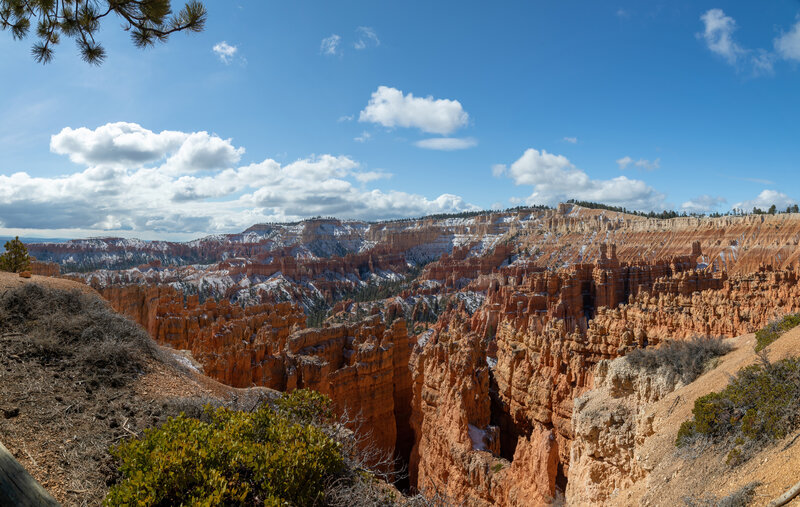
(367, 176)
(203, 152)
(366, 38)
(718, 35)
(703, 204)
(447, 143)
(124, 144)
(364, 137)
(137, 182)
(390, 108)
(642, 163)
(330, 45)
(555, 179)
(344, 118)
(624, 162)
(766, 199)
(225, 51)
(571, 140)
(788, 44)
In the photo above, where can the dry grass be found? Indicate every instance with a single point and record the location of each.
(68, 365)
(688, 359)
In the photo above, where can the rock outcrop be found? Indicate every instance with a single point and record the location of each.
(45, 268)
(544, 332)
(363, 367)
(457, 447)
(608, 422)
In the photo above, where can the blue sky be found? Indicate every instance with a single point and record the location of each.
(333, 108)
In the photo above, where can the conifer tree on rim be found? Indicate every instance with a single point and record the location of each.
(16, 258)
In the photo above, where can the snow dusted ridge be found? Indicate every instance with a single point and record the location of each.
(422, 240)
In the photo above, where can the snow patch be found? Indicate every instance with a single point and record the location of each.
(478, 437)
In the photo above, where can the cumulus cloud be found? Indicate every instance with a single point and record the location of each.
(391, 108)
(124, 144)
(366, 38)
(766, 199)
(571, 140)
(330, 45)
(447, 143)
(173, 183)
(642, 163)
(225, 51)
(703, 204)
(555, 179)
(788, 44)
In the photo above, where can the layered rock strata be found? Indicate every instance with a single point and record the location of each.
(363, 367)
(545, 331)
(457, 448)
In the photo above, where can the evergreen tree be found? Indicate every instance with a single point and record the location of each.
(16, 258)
(148, 21)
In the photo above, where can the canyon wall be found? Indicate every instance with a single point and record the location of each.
(736, 244)
(482, 404)
(544, 332)
(608, 422)
(363, 367)
(457, 447)
(45, 268)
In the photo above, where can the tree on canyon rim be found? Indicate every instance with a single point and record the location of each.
(16, 258)
(148, 21)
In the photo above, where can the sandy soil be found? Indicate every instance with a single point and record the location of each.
(12, 280)
(675, 476)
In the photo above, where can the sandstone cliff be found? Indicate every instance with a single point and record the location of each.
(363, 367)
(457, 448)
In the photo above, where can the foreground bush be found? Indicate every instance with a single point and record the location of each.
(271, 456)
(761, 403)
(775, 329)
(687, 359)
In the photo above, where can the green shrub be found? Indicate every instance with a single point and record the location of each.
(274, 455)
(761, 403)
(686, 358)
(775, 329)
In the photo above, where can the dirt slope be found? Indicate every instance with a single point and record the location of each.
(673, 476)
(65, 400)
